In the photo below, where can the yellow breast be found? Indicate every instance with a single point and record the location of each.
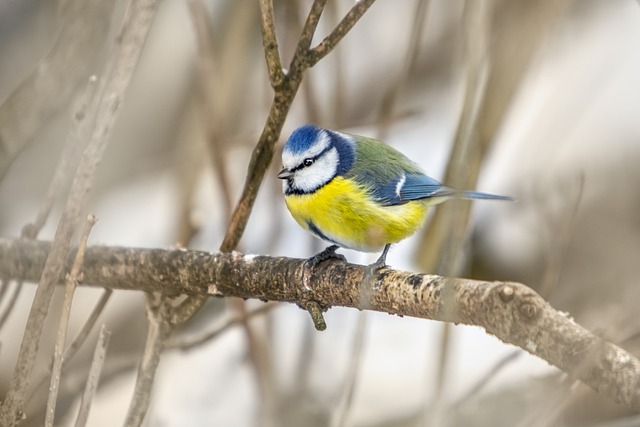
(342, 212)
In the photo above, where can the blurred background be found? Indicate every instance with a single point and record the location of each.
(536, 100)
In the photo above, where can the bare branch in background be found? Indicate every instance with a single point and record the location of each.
(330, 42)
(67, 164)
(193, 343)
(506, 38)
(94, 376)
(491, 373)
(80, 339)
(121, 64)
(270, 43)
(158, 311)
(71, 283)
(442, 241)
(213, 109)
(50, 88)
(511, 311)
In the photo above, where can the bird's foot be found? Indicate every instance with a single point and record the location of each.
(380, 263)
(328, 253)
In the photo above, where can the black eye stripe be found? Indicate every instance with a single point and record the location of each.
(313, 159)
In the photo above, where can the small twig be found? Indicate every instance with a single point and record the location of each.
(308, 30)
(80, 339)
(329, 42)
(94, 376)
(207, 77)
(88, 326)
(159, 330)
(315, 311)
(270, 43)
(59, 77)
(482, 382)
(190, 344)
(67, 163)
(72, 282)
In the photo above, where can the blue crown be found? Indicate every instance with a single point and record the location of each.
(302, 138)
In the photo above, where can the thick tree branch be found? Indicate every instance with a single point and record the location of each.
(510, 311)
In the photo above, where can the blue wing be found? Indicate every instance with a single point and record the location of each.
(416, 186)
(408, 187)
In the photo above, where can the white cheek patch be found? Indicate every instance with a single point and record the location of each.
(312, 177)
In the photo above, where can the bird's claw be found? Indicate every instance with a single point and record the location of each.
(328, 253)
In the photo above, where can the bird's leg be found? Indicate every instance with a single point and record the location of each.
(328, 253)
(382, 260)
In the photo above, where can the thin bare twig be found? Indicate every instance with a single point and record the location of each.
(94, 376)
(66, 165)
(121, 64)
(329, 42)
(158, 311)
(80, 339)
(48, 90)
(190, 344)
(308, 30)
(207, 76)
(270, 43)
(88, 326)
(502, 363)
(72, 282)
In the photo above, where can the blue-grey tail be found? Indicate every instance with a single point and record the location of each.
(482, 196)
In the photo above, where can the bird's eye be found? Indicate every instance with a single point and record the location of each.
(307, 162)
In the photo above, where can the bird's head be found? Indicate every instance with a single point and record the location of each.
(312, 157)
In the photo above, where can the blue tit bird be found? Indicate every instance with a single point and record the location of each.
(357, 192)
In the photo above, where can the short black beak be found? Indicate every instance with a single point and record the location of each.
(285, 174)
